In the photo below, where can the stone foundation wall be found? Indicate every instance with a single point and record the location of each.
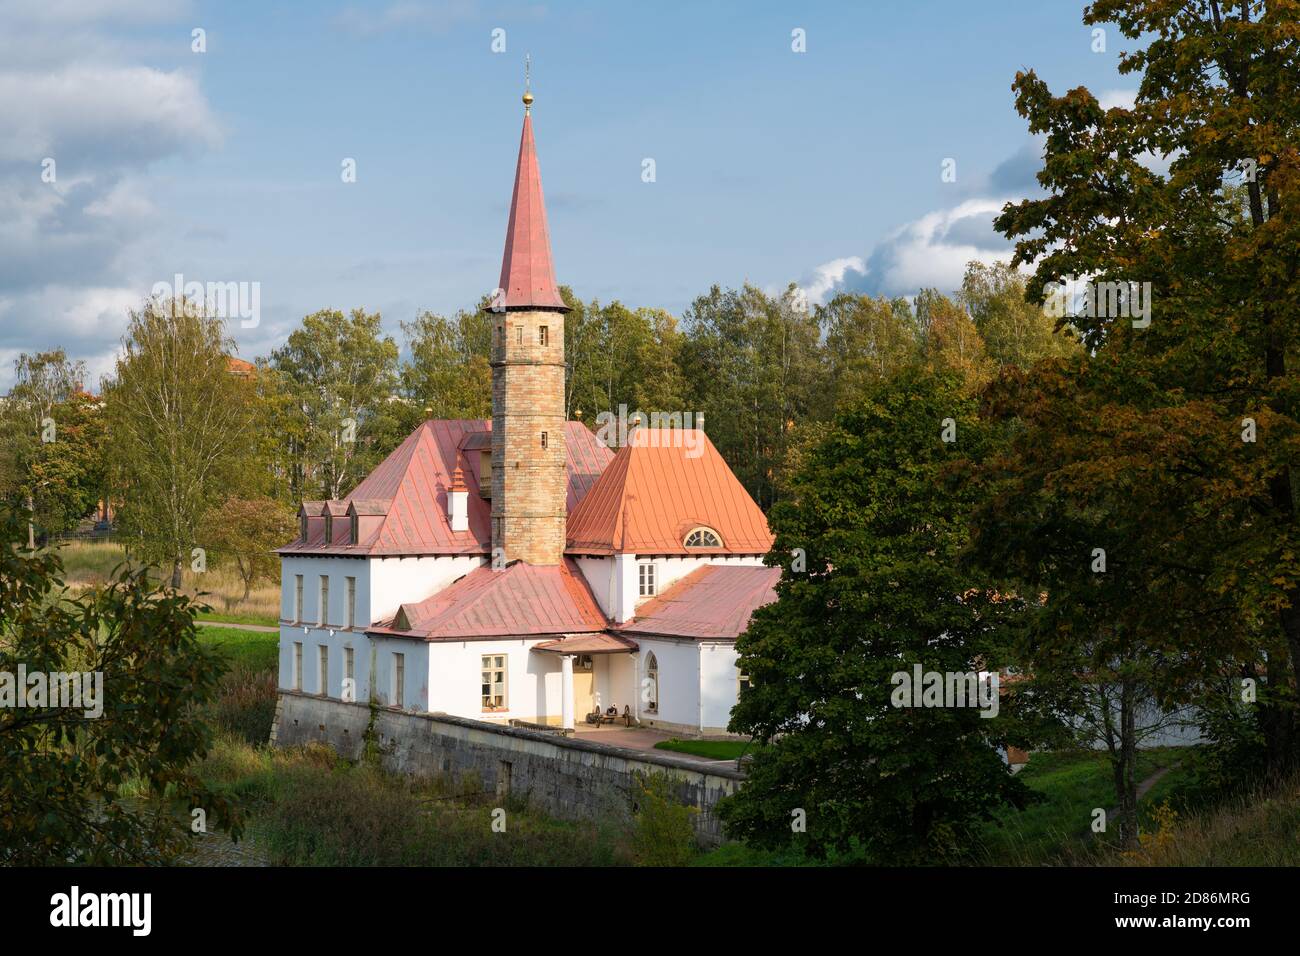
(569, 779)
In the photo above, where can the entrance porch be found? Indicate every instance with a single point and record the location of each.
(597, 673)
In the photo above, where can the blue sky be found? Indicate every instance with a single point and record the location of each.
(772, 166)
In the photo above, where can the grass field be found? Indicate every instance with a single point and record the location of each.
(256, 649)
(89, 563)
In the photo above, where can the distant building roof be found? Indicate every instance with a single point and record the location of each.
(661, 486)
(520, 599)
(713, 602)
(412, 485)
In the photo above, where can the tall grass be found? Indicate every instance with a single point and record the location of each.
(90, 563)
(308, 807)
(1261, 828)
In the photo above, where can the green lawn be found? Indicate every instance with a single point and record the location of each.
(255, 649)
(1074, 784)
(713, 749)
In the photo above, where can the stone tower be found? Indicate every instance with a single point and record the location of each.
(528, 456)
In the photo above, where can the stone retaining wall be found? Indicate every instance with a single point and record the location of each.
(567, 778)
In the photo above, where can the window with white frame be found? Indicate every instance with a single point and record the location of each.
(651, 684)
(743, 683)
(323, 616)
(350, 607)
(399, 680)
(323, 685)
(349, 675)
(646, 582)
(494, 681)
(297, 598)
(297, 665)
(703, 538)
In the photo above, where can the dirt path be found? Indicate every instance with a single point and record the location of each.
(262, 628)
(1144, 787)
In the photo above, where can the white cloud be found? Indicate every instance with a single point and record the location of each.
(829, 276)
(75, 86)
(116, 114)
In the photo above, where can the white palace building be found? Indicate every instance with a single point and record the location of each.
(519, 570)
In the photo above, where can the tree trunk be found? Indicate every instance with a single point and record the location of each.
(1124, 766)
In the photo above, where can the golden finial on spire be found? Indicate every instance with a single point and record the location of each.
(528, 96)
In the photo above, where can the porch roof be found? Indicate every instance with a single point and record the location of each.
(589, 644)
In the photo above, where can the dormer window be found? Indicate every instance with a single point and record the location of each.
(302, 526)
(352, 528)
(329, 528)
(703, 538)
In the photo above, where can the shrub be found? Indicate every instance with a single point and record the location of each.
(663, 834)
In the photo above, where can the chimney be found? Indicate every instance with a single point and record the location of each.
(458, 502)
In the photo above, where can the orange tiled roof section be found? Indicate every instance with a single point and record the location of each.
(712, 602)
(656, 491)
(414, 481)
(521, 599)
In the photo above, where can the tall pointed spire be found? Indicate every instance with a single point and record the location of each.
(527, 272)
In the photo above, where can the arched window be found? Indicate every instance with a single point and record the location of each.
(651, 684)
(703, 538)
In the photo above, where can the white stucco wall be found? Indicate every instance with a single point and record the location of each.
(398, 581)
(383, 584)
(532, 680)
(415, 672)
(718, 685)
(679, 681)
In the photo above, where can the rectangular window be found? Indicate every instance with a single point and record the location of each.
(519, 335)
(542, 334)
(297, 598)
(350, 608)
(744, 683)
(399, 680)
(354, 523)
(324, 600)
(349, 673)
(324, 685)
(543, 439)
(646, 583)
(297, 665)
(494, 682)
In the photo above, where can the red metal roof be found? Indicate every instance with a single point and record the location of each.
(527, 273)
(659, 487)
(521, 599)
(713, 602)
(589, 644)
(412, 485)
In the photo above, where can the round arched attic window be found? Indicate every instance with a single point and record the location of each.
(703, 538)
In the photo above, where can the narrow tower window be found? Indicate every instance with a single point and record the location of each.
(543, 439)
(519, 335)
(542, 334)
